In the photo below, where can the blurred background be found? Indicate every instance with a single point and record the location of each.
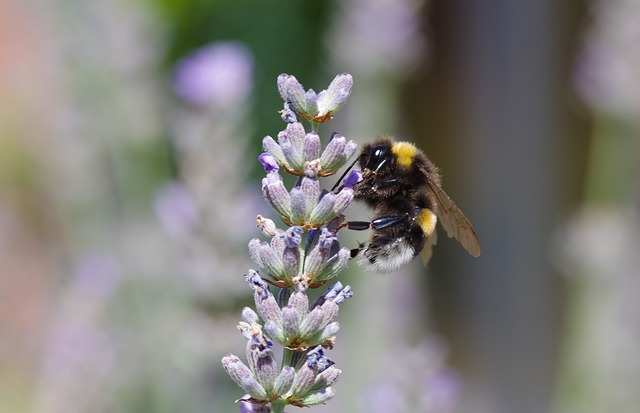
(129, 185)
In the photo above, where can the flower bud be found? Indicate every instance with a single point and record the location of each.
(311, 146)
(243, 377)
(298, 206)
(277, 195)
(311, 189)
(272, 147)
(343, 199)
(284, 381)
(292, 91)
(323, 212)
(333, 154)
(290, 323)
(303, 381)
(331, 100)
(318, 397)
(287, 114)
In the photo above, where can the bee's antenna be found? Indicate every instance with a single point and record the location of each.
(343, 175)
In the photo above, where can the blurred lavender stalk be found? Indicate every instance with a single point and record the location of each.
(210, 203)
(130, 341)
(600, 367)
(80, 341)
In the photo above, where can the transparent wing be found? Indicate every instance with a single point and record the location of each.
(453, 220)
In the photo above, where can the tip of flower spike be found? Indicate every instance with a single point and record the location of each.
(308, 105)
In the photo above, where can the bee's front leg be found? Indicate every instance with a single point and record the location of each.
(378, 223)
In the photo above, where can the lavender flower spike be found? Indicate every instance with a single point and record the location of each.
(303, 256)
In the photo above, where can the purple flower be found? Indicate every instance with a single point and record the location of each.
(248, 407)
(354, 177)
(268, 161)
(220, 73)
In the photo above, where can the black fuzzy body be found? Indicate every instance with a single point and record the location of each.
(393, 190)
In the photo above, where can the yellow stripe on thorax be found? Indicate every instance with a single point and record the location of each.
(427, 221)
(404, 152)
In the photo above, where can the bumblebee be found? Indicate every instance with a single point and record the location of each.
(402, 186)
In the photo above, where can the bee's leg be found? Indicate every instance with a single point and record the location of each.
(378, 223)
(358, 225)
(384, 222)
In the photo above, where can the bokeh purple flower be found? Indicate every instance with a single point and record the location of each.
(608, 67)
(220, 73)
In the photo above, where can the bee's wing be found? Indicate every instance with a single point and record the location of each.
(453, 220)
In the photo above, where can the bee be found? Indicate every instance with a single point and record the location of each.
(402, 186)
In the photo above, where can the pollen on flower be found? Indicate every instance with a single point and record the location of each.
(301, 282)
(312, 168)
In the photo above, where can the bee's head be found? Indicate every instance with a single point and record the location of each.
(375, 158)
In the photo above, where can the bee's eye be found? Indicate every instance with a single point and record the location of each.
(378, 157)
